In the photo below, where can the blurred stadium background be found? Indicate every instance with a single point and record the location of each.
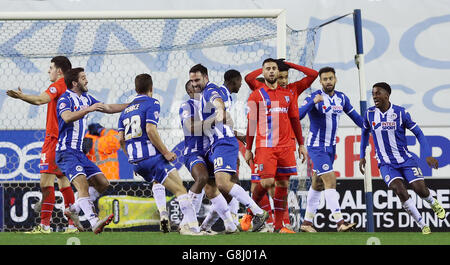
(406, 48)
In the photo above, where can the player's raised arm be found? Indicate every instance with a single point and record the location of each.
(306, 81)
(40, 99)
(308, 104)
(251, 80)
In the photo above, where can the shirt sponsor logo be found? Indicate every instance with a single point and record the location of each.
(278, 109)
(337, 109)
(388, 125)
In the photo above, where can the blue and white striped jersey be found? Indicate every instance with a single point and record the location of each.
(209, 94)
(388, 130)
(324, 117)
(133, 122)
(193, 141)
(71, 134)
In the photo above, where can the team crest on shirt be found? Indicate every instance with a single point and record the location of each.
(393, 116)
(325, 167)
(287, 98)
(79, 168)
(52, 90)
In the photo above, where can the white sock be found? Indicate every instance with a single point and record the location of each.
(429, 199)
(234, 208)
(188, 211)
(242, 196)
(220, 206)
(88, 208)
(210, 220)
(312, 203)
(93, 194)
(411, 208)
(75, 207)
(159, 194)
(331, 198)
(197, 199)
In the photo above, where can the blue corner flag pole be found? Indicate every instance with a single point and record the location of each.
(363, 105)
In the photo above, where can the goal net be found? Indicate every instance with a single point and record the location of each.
(115, 47)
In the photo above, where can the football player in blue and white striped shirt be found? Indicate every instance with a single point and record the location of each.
(72, 109)
(224, 147)
(195, 147)
(388, 124)
(150, 157)
(324, 108)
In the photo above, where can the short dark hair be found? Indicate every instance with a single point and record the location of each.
(199, 68)
(72, 76)
(270, 60)
(326, 69)
(384, 86)
(187, 84)
(143, 83)
(282, 66)
(62, 62)
(230, 74)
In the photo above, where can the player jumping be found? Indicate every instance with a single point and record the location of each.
(388, 124)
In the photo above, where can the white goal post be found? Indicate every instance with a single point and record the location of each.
(279, 14)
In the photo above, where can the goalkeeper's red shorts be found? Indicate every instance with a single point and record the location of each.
(276, 162)
(47, 163)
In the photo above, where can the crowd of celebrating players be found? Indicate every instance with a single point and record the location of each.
(211, 148)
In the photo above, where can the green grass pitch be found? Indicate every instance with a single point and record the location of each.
(245, 238)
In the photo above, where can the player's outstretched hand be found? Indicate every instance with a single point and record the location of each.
(248, 157)
(432, 162)
(302, 153)
(96, 107)
(170, 156)
(362, 165)
(15, 93)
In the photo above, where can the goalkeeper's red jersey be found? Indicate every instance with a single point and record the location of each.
(55, 90)
(272, 110)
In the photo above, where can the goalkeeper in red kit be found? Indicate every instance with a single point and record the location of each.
(296, 88)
